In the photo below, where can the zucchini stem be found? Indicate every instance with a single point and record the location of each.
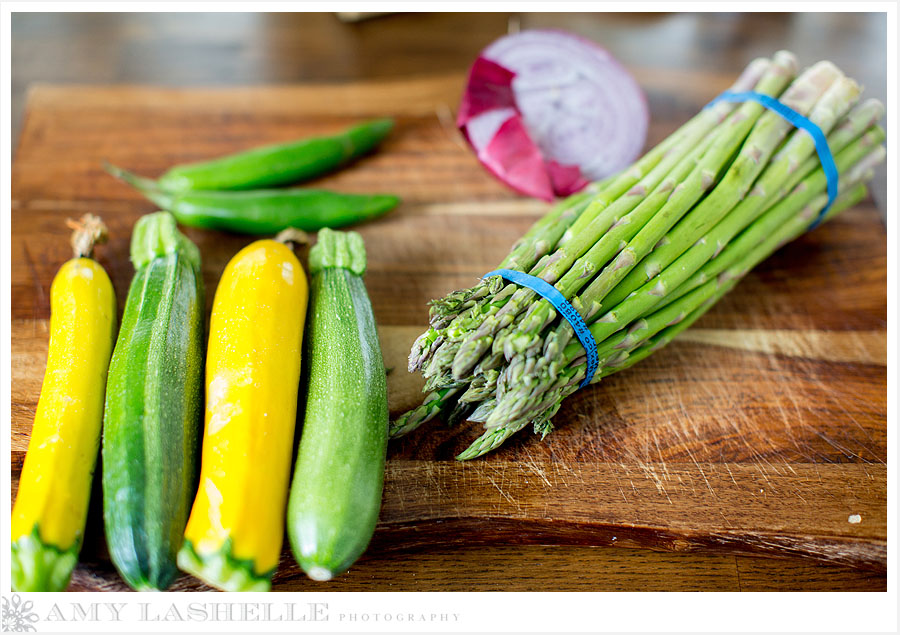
(89, 230)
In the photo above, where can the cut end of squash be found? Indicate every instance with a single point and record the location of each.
(319, 574)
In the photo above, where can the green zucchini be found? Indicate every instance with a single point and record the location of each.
(335, 495)
(151, 425)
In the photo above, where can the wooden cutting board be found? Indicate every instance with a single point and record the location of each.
(761, 430)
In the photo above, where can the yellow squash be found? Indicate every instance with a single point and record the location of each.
(234, 535)
(50, 511)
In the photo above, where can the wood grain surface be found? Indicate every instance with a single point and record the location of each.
(759, 432)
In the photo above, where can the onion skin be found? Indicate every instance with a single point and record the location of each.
(546, 112)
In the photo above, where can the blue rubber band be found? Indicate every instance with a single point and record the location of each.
(798, 121)
(563, 307)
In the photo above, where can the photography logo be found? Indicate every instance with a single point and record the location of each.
(18, 616)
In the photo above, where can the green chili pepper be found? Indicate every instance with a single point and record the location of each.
(277, 164)
(261, 211)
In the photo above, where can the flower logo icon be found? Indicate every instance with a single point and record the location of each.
(18, 616)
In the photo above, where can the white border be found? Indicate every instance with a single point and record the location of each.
(502, 612)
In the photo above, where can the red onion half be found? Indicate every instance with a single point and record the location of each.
(548, 111)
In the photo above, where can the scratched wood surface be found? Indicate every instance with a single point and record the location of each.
(760, 432)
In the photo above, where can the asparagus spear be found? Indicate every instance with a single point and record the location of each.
(775, 177)
(535, 243)
(834, 104)
(648, 295)
(598, 218)
(854, 154)
(623, 230)
(451, 304)
(752, 158)
(546, 232)
(754, 76)
(434, 340)
(507, 393)
(543, 405)
(527, 389)
(432, 405)
(853, 196)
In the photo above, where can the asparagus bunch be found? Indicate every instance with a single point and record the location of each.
(645, 253)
